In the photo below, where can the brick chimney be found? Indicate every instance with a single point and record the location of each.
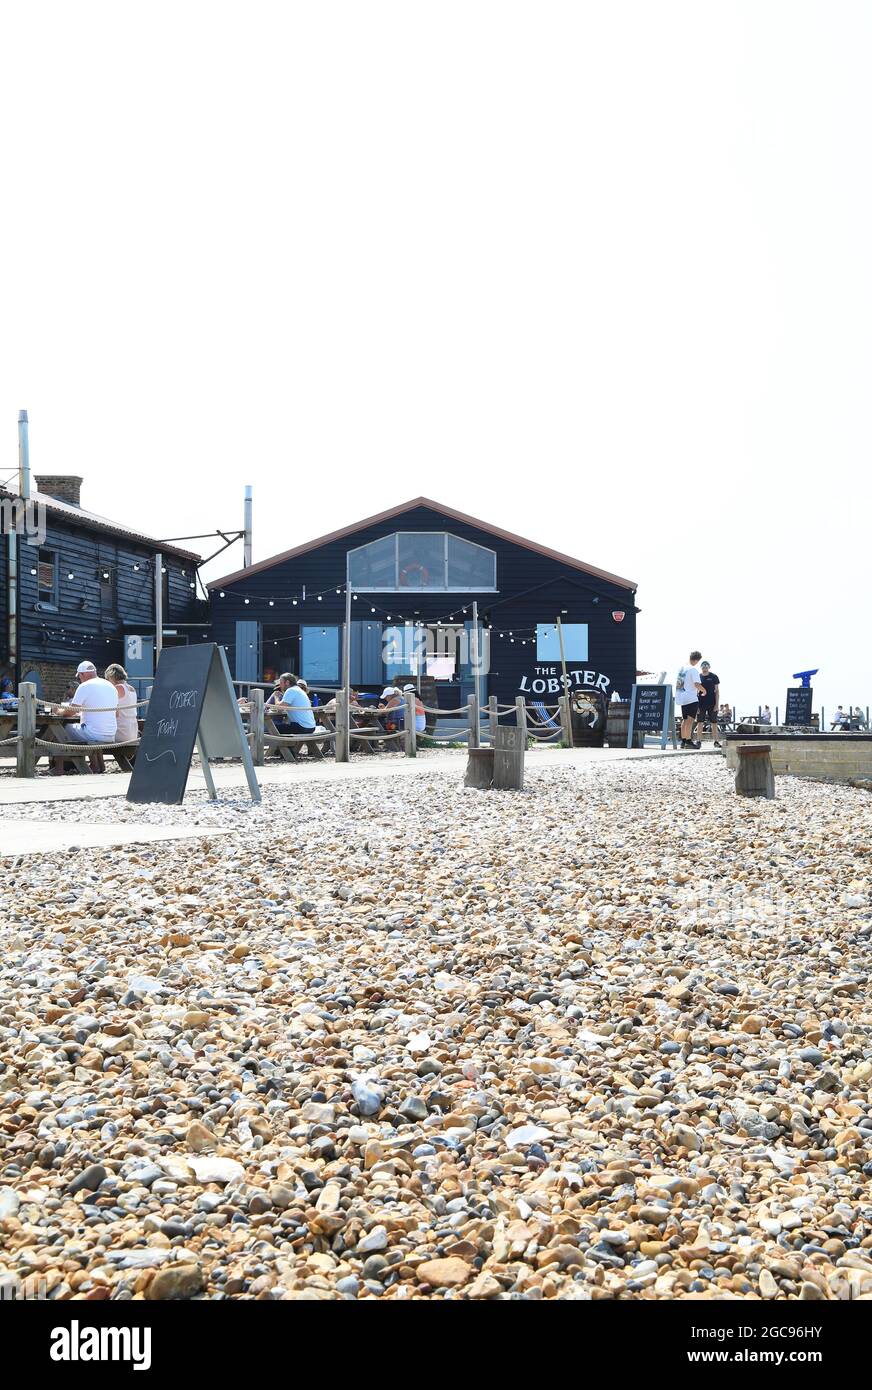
(62, 486)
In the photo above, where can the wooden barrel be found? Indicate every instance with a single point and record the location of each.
(588, 713)
(618, 724)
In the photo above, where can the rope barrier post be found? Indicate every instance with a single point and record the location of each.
(565, 720)
(474, 739)
(256, 727)
(493, 717)
(25, 762)
(521, 716)
(409, 700)
(343, 742)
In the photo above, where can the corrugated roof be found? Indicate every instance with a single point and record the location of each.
(102, 523)
(444, 511)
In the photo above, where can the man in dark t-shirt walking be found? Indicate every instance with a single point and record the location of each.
(710, 701)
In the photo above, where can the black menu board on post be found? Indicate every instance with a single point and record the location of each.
(651, 712)
(797, 709)
(192, 703)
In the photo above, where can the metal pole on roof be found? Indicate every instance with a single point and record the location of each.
(246, 545)
(23, 456)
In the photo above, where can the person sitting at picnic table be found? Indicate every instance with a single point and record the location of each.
(96, 699)
(304, 686)
(126, 724)
(390, 708)
(765, 716)
(396, 710)
(299, 718)
(858, 718)
(726, 714)
(7, 690)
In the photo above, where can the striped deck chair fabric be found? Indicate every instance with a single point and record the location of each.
(547, 719)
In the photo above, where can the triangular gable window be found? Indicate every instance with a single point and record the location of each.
(431, 561)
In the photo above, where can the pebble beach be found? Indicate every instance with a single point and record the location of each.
(605, 1038)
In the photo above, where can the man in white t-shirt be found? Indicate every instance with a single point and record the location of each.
(97, 700)
(688, 688)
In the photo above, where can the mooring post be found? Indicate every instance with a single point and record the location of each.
(26, 752)
(255, 727)
(565, 720)
(473, 739)
(341, 742)
(411, 741)
(521, 716)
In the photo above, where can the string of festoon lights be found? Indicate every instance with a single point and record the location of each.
(87, 581)
(102, 573)
(303, 597)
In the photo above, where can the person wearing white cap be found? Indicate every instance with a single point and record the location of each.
(96, 700)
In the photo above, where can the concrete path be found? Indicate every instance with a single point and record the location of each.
(49, 837)
(229, 777)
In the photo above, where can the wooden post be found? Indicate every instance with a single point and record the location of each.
(493, 717)
(473, 739)
(342, 742)
(480, 768)
(521, 716)
(26, 751)
(563, 663)
(565, 720)
(255, 727)
(409, 732)
(509, 753)
(754, 774)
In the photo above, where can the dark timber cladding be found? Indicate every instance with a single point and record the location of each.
(86, 586)
(521, 588)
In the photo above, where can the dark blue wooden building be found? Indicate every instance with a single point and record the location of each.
(415, 572)
(84, 587)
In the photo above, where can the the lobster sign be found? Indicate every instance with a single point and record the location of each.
(618, 617)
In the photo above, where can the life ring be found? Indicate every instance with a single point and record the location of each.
(415, 569)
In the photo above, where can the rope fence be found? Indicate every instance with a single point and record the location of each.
(79, 750)
(470, 723)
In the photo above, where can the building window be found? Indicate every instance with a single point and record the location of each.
(319, 658)
(47, 577)
(433, 561)
(106, 577)
(574, 642)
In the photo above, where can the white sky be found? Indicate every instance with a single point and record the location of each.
(597, 273)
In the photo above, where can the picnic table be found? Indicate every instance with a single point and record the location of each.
(290, 751)
(51, 728)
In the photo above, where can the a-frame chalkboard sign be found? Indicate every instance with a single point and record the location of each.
(192, 701)
(652, 711)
